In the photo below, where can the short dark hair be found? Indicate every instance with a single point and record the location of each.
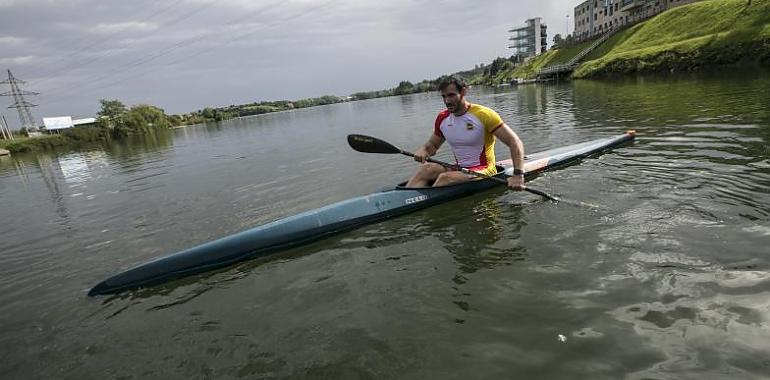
(459, 83)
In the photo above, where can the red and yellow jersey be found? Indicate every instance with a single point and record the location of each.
(470, 136)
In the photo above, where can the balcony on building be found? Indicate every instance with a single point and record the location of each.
(628, 5)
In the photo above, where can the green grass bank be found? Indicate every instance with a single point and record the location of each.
(702, 34)
(70, 138)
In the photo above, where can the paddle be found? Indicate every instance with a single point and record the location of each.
(368, 144)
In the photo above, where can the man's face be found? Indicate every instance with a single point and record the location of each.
(453, 99)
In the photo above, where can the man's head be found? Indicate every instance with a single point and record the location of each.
(453, 93)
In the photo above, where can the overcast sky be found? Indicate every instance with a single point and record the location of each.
(183, 55)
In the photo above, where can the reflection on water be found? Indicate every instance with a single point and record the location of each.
(713, 321)
(669, 278)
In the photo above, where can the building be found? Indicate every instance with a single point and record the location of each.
(56, 124)
(530, 40)
(85, 122)
(594, 17)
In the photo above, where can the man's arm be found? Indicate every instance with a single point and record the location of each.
(509, 137)
(429, 148)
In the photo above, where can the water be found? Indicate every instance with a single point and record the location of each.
(669, 278)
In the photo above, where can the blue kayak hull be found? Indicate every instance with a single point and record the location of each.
(316, 224)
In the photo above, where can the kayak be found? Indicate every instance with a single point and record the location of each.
(319, 223)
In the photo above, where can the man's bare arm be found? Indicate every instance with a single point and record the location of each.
(429, 148)
(510, 138)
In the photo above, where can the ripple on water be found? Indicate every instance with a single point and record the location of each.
(719, 333)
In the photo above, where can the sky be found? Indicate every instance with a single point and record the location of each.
(184, 55)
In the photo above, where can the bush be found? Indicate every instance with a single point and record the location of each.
(141, 119)
(87, 134)
(37, 143)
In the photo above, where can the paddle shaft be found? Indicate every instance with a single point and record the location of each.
(368, 144)
(481, 175)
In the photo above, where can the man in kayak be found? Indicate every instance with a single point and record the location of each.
(471, 131)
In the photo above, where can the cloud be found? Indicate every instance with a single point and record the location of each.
(15, 61)
(10, 41)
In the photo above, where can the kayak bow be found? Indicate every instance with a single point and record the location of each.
(316, 224)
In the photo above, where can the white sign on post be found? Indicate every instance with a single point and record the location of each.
(53, 123)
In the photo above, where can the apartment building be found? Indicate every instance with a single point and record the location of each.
(594, 17)
(530, 40)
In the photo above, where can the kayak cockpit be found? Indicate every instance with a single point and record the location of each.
(402, 185)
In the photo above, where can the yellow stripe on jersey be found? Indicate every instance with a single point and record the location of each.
(491, 121)
(488, 117)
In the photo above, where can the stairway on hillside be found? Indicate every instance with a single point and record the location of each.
(572, 63)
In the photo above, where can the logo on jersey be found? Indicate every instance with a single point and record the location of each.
(469, 126)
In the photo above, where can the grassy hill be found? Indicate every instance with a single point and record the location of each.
(709, 32)
(529, 69)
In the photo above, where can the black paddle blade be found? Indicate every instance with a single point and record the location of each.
(368, 144)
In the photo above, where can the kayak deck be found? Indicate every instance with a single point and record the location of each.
(341, 216)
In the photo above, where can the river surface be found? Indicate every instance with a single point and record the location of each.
(668, 278)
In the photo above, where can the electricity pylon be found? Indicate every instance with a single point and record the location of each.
(21, 105)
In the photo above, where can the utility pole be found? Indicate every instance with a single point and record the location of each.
(21, 105)
(2, 131)
(7, 130)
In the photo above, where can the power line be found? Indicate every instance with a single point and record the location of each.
(247, 34)
(244, 35)
(108, 53)
(104, 39)
(185, 43)
(182, 44)
(166, 50)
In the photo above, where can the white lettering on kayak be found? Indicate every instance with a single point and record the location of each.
(416, 199)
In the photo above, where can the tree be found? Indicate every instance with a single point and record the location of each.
(175, 120)
(112, 109)
(557, 41)
(142, 118)
(209, 113)
(564, 42)
(497, 65)
(405, 87)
